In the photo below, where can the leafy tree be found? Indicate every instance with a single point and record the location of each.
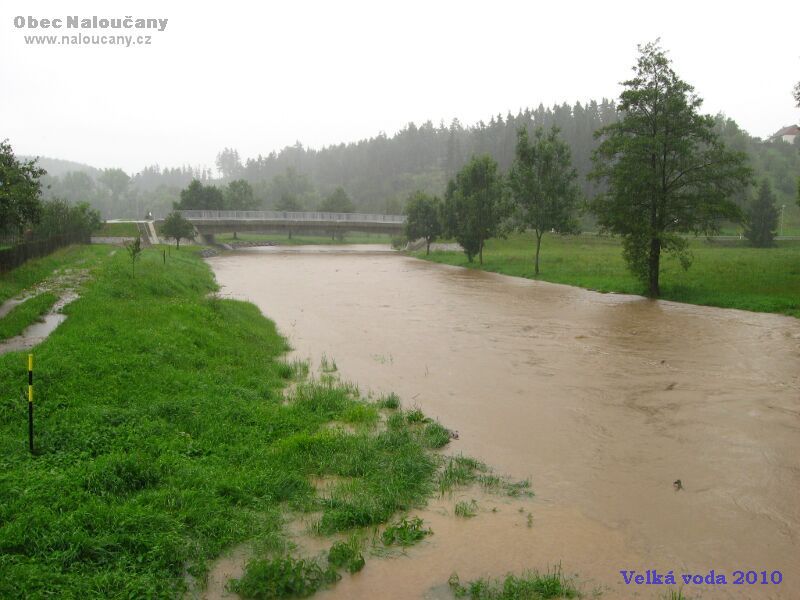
(200, 197)
(229, 164)
(134, 249)
(337, 202)
(543, 187)
(667, 171)
(19, 191)
(289, 203)
(473, 205)
(797, 93)
(762, 218)
(59, 217)
(423, 218)
(116, 181)
(177, 228)
(238, 195)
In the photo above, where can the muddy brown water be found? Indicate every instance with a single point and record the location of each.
(601, 400)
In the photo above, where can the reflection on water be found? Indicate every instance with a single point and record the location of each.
(602, 400)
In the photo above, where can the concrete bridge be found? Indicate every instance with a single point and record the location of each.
(210, 222)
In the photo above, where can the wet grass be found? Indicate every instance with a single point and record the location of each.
(347, 555)
(466, 509)
(166, 434)
(725, 274)
(405, 532)
(37, 270)
(117, 230)
(530, 585)
(25, 314)
(284, 577)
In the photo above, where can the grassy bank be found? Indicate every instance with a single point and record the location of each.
(299, 240)
(163, 437)
(37, 270)
(117, 230)
(729, 274)
(25, 314)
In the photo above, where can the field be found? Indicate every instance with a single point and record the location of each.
(117, 230)
(164, 434)
(726, 274)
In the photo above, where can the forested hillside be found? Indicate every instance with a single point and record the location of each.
(380, 173)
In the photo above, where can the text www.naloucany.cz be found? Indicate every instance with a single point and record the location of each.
(89, 40)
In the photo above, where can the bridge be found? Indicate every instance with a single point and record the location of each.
(210, 222)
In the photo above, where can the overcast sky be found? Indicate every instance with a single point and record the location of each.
(258, 76)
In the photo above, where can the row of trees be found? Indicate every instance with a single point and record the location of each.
(662, 169)
(379, 173)
(238, 195)
(23, 213)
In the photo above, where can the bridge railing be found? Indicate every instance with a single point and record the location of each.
(279, 215)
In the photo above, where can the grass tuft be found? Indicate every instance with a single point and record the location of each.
(283, 577)
(530, 585)
(405, 532)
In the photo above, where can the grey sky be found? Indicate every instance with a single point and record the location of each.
(259, 76)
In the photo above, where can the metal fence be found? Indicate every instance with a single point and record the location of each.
(277, 215)
(11, 258)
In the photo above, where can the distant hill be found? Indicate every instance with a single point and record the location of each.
(57, 167)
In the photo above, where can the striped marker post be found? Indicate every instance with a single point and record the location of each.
(30, 402)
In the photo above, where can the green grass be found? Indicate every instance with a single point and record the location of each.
(118, 230)
(299, 240)
(530, 585)
(724, 274)
(466, 509)
(163, 437)
(405, 532)
(288, 577)
(25, 314)
(347, 555)
(37, 270)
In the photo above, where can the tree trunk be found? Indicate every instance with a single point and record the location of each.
(538, 247)
(178, 244)
(480, 252)
(428, 247)
(653, 268)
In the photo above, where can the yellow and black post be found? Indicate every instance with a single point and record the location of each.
(30, 402)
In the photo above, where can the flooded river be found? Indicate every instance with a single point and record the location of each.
(603, 401)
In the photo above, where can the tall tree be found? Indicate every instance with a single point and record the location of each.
(229, 164)
(423, 218)
(177, 228)
(19, 191)
(116, 181)
(543, 186)
(473, 206)
(667, 171)
(239, 196)
(338, 202)
(762, 218)
(197, 196)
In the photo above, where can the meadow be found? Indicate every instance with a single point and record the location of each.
(727, 274)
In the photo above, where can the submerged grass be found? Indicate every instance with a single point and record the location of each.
(165, 434)
(530, 585)
(725, 274)
(25, 314)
